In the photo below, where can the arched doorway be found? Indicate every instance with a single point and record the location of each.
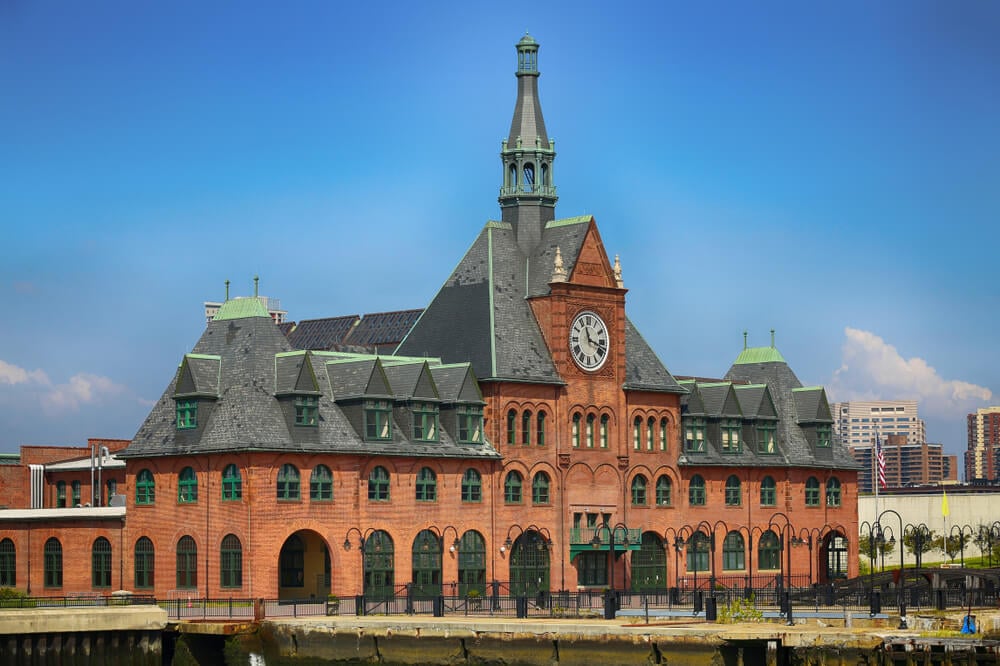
(472, 564)
(833, 557)
(426, 565)
(380, 566)
(529, 565)
(304, 567)
(649, 564)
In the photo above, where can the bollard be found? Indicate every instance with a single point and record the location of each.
(876, 602)
(939, 599)
(711, 609)
(439, 606)
(359, 605)
(521, 604)
(609, 605)
(697, 601)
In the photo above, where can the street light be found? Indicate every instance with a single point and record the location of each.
(918, 536)
(611, 602)
(786, 544)
(961, 538)
(876, 536)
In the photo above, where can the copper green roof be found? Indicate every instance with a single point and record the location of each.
(759, 355)
(807, 388)
(566, 221)
(241, 308)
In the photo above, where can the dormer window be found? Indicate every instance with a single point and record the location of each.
(425, 422)
(378, 420)
(187, 414)
(731, 436)
(823, 438)
(694, 435)
(470, 424)
(307, 410)
(766, 437)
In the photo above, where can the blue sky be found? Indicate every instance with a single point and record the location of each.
(828, 170)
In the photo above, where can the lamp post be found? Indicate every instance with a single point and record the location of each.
(877, 537)
(785, 544)
(362, 539)
(918, 536)
(611, 601)
(961, 538)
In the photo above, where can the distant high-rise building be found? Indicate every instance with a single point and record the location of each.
(906, 464)
(983, 454)
(856, 422)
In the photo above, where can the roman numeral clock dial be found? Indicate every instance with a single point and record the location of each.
(588, 341)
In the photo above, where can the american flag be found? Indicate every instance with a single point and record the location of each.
(880, 461)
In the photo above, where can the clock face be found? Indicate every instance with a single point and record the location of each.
(588, 341)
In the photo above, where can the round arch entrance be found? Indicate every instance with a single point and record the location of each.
(833, 557)
(529, 565)
(304, 567)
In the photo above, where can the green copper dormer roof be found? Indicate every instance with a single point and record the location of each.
(759, 355)
(241, 308)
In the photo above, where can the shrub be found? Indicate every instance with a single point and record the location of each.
(740, 610)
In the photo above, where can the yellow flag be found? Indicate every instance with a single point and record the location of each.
(944, 503)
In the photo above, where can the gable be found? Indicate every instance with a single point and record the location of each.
(198, 374)
(293, 373)
(592, 266)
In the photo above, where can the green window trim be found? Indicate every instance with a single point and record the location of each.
(731, 442)
(590, 431)
(321, 484)
(639, 490)
(187, 563)
(187, 414)
(812, 491)
(76, 493)
(470, 424)
(540, 489)
(694, 435)
(768, 492)
(288, 488)
(767, 438)
(575, 434)
(697, 552)
(512, 488)
(696, 491)
(769, 552)
(824, 440)
(511, 427)
(61, 494)
(145, 560)
(187, 486)
(307, 411)
(733, 552)
(378, 485)
(378, 420)
(231, 562)
(540, 432)
(425, 422)
(833, 492)
(8, 563)
(232, 484)
(663, 434)
(526, 428)
(472, 486)
(100, 563)
(650, 433)
(426, 485)
(734, 491)
(637, 434)
(145, 488)
(604, 431)
(664, 491)
(53, 561)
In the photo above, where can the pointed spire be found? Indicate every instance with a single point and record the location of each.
(744, 338)
(256, 281)
(618, 274)
(227, 290)
(772, 338)
(558, 270)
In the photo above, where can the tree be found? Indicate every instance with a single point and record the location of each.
(952, 545)
(985, 541)
(918, 541)
(883, 547)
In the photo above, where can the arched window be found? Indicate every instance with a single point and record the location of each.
(540, 488)
(733, 552)
(733, 491)
(61, 494)
(812, 491)
(292, 562)
(512, 176)
(378, 485)
(144, 563)
(52, 555)
(511, 427)
(697, 552)
(8, 563)
(321, 484)
(540, 433)
(145, 487)
(187, 563)
(187, 486)
(472, 564)
(768, 492)
(545, 174)
(232, 483)
(604, 431)
(426, 485)
(529, 564)
(100, 563)
(231, 562)
(649, 564)
(526, 428)
(664, 491)
(576, 430)
(833, 491)
(663, 434)
(380, 564)
(696, 491)
(768, 552)
(650, 433)
(637, 433)
(288, 482)
(426, 565)
(590, 431)
(529, 177)
(472, 486)
(639, 490)
(512, 488)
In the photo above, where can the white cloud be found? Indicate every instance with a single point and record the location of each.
(12, 375)
(81, 389)
(872, 369)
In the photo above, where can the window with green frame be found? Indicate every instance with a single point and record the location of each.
(145, 487)
(540, 488)
(767, 437)
(187, 414)
(650, 433)
(511, 427)
(470, 424)
(833, 492)
(734, 493)
(664, 491)
(768, 492)
(232, 483)
(823, 438)
(697, 552)
(187, 563)
(526, 428)
(321, 484)
(812, 491)
(61, 494)
(378, 485)
(144, 563)
(288, 483)
(378, 420)
(472, 486)
(639, 490)
(694, 435)
(52, 556)
(425, 422)
(731, 436)
(768, 552)
(307, 410)
(637, 433)
(733, 552)
(512, 488)
(426, 486)
(231, 562)
(592, 568)
(76, 493)
(604, 431)
(100, 563)
(540, 430)
(590, 431)
(8, 563)
(575, 433)
(696, 491)
(187, 486)
(472, 564)
(663, 434)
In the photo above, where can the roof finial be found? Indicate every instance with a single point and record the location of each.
(618, 273)
(772, 338)
(256, 280)
(558, 271)
(227, 290)
(744, 338)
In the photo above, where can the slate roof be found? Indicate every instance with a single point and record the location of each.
(256, 363)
